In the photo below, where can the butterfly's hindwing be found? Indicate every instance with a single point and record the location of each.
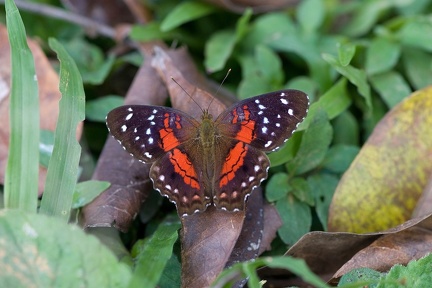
(265, 121)
(243, 169)
(176, 177)
(148, 132)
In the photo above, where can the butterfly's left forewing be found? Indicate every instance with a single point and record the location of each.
(148, 132)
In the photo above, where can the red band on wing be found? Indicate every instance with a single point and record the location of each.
(169, 141)
(246, 133)
(233, 162)
(184, 168)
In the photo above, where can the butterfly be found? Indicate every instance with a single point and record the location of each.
(201, 162)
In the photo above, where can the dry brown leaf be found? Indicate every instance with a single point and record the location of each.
(327, 252)
(49, 96)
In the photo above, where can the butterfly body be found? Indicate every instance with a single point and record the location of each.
(197, 163)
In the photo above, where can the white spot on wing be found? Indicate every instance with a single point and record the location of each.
(262, 107)
(151, 117)
(284, 101)
(265, 120)
(129, 109)
(148, 131)
(257, 101)
(264, 130)
(129, 116)
(268, 143)
(256, 168)
(162, 177)
(137, 138)
(123, 128)
(290, 112)
(150, 140)
(148, 155)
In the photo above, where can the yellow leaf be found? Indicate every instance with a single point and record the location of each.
(383, 184)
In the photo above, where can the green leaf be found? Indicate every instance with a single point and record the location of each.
(90, 60)
(296, 218)
(366, 14)
(151, 32)
(277, 187)
(87, 191)
(43, 251)
(305, 84)
(155, 254)
(364, 277)
(391, 86)
(381, 55)
(310, 15)
(46, 146)
(346, 129)
(416, 274)
(339, 157)
(354, 75)
(418, 67)
(185, 12)
(218, 49)
(287, 152)
(314, 145)
(346, 52)
(171, 277)
(96, 110)
(22, 172)
(322, 187)
(335, 101)
(242, 25)
(300, 189)
(417, 33)
(62, 172)
(247, 270)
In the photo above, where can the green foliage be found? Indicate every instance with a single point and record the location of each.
(356, 60)
(21, 192)
(63, 166)
(61, 256)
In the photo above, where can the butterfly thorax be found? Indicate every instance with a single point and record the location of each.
(207, 131)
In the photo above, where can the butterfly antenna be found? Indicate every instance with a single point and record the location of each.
(220, 86)
(190, 96)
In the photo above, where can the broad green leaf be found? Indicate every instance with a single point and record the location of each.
(96, 110)
(301, 190)
(366, 14)
(277, 187)
(90, 60)
(346, 129)
(171, 275)
(87, 191)
(62, 172)
(311, 14)
(346, 52)
(391, 86)
(185, 12)
(364, 277)
(418, 67)
(417, 33)
(22, 172)
(296, 218)
(46, 146)
(151, 32)
(381, 55)
(322, 187)
(42, 251)
(218, 49)
(354, 75)
(287, 152)
(335, 101)
(305, 84)
(389, 174)
(339, 157)
(416, 274)
(155, 254)
(314, 145)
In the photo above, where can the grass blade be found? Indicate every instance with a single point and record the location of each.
(63, 166)
(22, 172)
